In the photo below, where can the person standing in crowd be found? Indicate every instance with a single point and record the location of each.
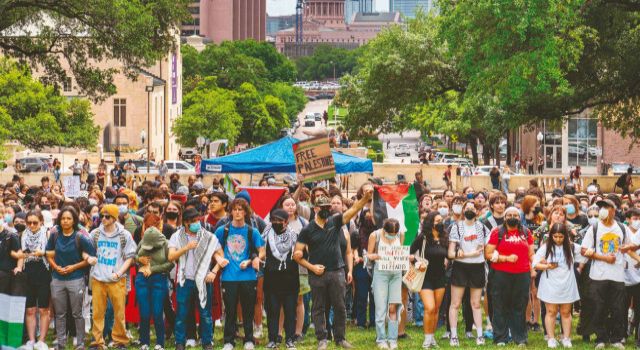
(193, 248)
(129, 170)
(151, 280)
(37, 279)
(510, 248)
(163, 170)
(466, 250)
(530, 165)
(431, 244)
(11, 259)
(601, 244)
(506, 176)
(281, 279)
(420, 185)
(64, 251)
(76, 168)
(115, 251)
(632, 274)
(540, 164)
(387, 285)
(131, 222)
(447, 178)
(321, 239)
(115, 174)
(494, 174)
(243, 250)
(217, 210)
(558, 285)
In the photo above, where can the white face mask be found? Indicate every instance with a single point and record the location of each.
(593, 221)
(635, 225)
(603, 214)
(93, 201)
(457, 209)
(443, 212)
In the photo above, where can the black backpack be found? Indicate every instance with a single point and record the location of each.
(622, 181)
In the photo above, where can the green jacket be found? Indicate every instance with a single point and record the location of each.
(155, 245)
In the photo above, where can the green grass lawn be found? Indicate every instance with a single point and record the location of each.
(365, 339)
(342, 112)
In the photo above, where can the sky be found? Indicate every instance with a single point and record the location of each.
(288, 7)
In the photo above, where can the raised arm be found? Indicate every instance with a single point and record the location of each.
(357, 206)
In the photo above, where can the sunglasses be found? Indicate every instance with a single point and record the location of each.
(30, 223)
(104, 216)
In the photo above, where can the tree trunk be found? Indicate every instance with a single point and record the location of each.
(509, 136)
(473, 144)
(486, 152)
(497, 154)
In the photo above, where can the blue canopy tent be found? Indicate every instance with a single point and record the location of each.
(277, 157)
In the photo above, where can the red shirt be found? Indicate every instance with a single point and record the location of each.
(512, 242)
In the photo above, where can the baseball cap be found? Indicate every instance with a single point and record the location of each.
(606, 203)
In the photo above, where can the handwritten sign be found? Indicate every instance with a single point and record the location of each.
(394, 258)
(314, 160)
(71, 186)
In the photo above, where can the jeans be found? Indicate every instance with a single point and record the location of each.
(306, 300)
(245, 291)
(633, 295)
(387, 289)
(184, 295)
(418, 310)
(151, 292)
(510, 295)
(117, 293)
(333, 283)
(72, 292)
(363, 296)
(288, 302)
(609, 310)
(505, 185)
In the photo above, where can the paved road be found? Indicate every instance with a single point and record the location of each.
(318, 106)
(411, 138)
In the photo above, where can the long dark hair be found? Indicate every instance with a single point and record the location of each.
(427, 230)
(74, 214)
(566, 243)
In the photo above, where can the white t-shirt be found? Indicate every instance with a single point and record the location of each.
(190, 266)
(557, 286)
(608, 240)
(631, 273)
(470, 239)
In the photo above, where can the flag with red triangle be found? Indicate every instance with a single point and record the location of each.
(263, 199)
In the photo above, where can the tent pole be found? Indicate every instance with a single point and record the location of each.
(251, 180)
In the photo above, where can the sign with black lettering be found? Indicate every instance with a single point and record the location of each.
(393, 258)
(314, 160)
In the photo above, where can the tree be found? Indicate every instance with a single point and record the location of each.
(320, 65)
(38, 115)
(209, 112)
(253, 112)
(292, 96)
(135, 33)
(279, 67)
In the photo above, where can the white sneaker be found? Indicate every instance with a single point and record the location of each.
(383, 345)
(41, 346)
(469, 335)
(600, 346)
(552, 343)
(618, 345)
(257, 332)
(28, 345)
(393, 345)
(158, 347)
(567, 343)
(426, 344)
(446, 335)
(144, 347)
(248, 346)
(227, 346)
(75, 342)
(480, 341)
(191, 343)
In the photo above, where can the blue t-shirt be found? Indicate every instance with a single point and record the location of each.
(67, 253)
(236, 250)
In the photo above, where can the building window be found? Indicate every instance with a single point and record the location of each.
(583, 142)
(66, 84)
(120, 112)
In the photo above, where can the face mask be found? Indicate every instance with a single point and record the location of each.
(469, 215)
(8, 217)
(443, 211)
(571, 209)
(603, 214)
(21, 227)
(171, 215)
(635, 225)
(469, 195)
(389, 237)
(92, 201)
(593, 221)
(278, 227)
(584, 209)
(324, 214)
(537, 210)
(512, 222)
(194, 226)
(123, 209)
(45, 207)
(457, 209)
(440, 227)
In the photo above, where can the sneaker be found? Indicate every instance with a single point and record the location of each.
(271, 345)
(426, 344)
(191, 343)
(383, 345)
(535, 327)
(28, 346)
(322, 345)
(393, 345)
(345, 344)
(480, 341)
(446, 335)
(290, 345)
(501, 344)
(227, 346)
(249, 345)
(600, 346)
(469, 335)
(257, 332)
(75, 341)
(618, 345)
(403, 336)
(488, 334)
(552, 343)
(120, 347)
(158, 347)
(454, 341)
(144, 347)
(566, 343)
(298, 338)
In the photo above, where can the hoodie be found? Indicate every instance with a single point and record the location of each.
(155, 245)
(111, 256)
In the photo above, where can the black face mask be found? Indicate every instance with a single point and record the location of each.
(121, 183)
(440, 227)
(19, 227)
(278, 227)
(45, 206)
(469, 214)
(171, 215)
(537, 210)
(324, 213)
(512, 222)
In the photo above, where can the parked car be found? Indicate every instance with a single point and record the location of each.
(460, 161)
(485, 169)
(187, 153)
(402, 150)
(31, 164)
(309, 123)
(179, 166)
(621, 168)
(442, 156)
(141, 165)
(309, 116)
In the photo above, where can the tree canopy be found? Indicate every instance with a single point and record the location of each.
(320, 65)
(52, 34)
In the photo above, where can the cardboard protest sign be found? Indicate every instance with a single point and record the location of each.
(71, 186)
(393, 258)
(314, 160)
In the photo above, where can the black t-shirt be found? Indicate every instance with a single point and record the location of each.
(324, 243)
(435, 253)
(8, 242)
(581, 221)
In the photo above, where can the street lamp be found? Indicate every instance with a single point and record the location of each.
(540, 138)
(149, 90)
(200, 141)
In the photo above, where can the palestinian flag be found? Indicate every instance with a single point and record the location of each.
(263, 199)
(11, 321)
(398, 202)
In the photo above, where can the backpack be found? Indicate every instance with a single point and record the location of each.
(95, 235)
(253, 252)
(622, 181)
